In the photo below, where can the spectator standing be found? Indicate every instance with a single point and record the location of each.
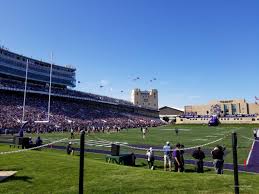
(199, 156)
(21, 133)
(167, 156)
(217, 155)
(150, 158)
(70, 149)
(177, 158)
(181, 157)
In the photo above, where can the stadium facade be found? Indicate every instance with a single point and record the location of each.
(224, 107)
(228, 111)
(146, 99)
(13, 66)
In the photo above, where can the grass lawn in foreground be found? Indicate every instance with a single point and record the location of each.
(50, 171)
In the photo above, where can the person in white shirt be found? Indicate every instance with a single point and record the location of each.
(167, 156)
(150, 158)
(70, 149)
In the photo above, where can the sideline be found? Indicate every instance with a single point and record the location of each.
(250, 152)
(208, 164)
(249, 138)
(42, 146)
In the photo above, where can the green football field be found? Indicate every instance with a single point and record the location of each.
(189, 135)
(53, 171)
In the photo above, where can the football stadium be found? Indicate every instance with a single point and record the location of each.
(160, 99)
(42, 117)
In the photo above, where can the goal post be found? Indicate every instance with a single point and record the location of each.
(49, 93)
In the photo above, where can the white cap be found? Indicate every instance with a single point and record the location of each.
(167, 143)
(70, 142)
(150, 149)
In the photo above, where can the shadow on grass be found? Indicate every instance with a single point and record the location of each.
(18, 178)
(194, 171)
(186, 170)
(141, 165)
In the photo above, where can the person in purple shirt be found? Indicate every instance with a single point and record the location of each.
(177, 158)
(21, 131)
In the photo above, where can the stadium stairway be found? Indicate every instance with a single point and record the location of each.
(227, 166)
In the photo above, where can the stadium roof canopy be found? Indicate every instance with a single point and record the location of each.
(165, 110)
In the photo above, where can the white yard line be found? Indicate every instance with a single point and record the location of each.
(102, 143)
(249, 155)
(211, 136)
(174, 129)
(200, 140)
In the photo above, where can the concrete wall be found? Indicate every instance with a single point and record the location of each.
(253, 108)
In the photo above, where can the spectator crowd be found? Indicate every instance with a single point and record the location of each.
(66, 114)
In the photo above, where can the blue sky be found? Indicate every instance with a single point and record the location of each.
(197, 49)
